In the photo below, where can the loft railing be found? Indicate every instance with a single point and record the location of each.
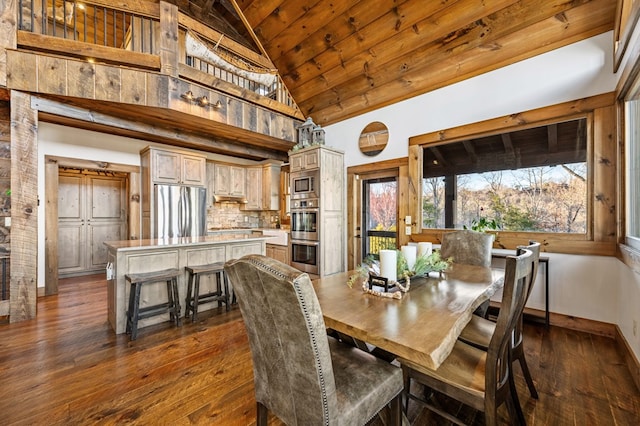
(227, 61)
(139, 32)
(89, 23)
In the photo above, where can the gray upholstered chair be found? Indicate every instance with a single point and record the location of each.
(301, 375)
(470, 248)
(479, 331)
(477, 378)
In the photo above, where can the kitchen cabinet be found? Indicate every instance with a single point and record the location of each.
(306, 160)
(263, 187)
(167, 166)
(229, 179)
(174, 167)
(278, 252)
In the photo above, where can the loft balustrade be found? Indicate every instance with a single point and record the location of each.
(138, 32)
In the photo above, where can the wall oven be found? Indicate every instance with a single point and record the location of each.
(304, 184)
(304, 224)
(305, 256)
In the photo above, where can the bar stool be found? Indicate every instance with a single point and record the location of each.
(135, 313)
(194, 298)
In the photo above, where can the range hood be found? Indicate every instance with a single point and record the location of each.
(217, 198)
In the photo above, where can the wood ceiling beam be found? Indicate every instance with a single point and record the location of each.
(438, 154)
(508, 145)
(257, 11)
(471, 151)
(65, 114)
(450, 67)
(280, 18)
(552, 138)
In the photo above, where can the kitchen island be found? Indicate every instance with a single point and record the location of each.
(137, 256)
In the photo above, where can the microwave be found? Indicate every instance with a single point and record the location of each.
(304, 185)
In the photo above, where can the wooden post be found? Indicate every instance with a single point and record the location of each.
(168, 39)
(8, 34)
(414, 191)
(51, 225)
(24, 207)
(135, 220)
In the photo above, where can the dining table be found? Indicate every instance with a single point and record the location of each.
(422, 326)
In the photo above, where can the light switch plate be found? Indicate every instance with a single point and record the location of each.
(7, 221)
(407, 230)
(407, 220)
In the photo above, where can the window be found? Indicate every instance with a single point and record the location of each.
(632, 120)
(527, 180)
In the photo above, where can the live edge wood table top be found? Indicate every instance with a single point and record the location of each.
(422, 326)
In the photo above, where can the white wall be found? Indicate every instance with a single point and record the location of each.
(577, 71)
(593, 287)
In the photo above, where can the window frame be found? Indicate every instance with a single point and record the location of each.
(599, 110)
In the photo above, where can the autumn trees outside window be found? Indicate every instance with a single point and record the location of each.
(529, 180)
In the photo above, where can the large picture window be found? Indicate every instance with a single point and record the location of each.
(527, 180)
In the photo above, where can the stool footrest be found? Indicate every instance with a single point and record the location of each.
(150, 311)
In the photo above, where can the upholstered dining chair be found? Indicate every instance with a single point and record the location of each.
(477, 378)
(471, 248)
(479, 331)
(302, 375)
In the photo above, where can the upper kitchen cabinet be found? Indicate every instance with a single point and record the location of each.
(175, 167)
(228, 179)
(263, 187)
(306, 160)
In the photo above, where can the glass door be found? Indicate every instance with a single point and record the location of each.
(379, 216)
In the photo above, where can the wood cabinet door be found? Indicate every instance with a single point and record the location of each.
(166, 167)
(296, 162)
(237, 181)
(194, 171)
(253, 189)
(222, 176)
(71, 224)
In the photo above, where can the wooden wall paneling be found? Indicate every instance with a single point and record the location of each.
(24, 205)
(414, 186)
(157, 90)
(250, 117)
(263, 121)
(52, 75)
(134, 87)
(168, 39)
(51, 227)
(20, 75)
(81, 79)
(404, 209)
(8, 30)
(235, 113)
(108, 83)
(605, 166)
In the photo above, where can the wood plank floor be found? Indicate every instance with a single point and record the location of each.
(67, 367)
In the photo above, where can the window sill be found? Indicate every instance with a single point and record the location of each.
(630, 256)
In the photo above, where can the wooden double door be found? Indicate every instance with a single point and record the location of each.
(92, 209)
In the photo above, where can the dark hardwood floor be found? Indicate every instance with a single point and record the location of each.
(67, 367)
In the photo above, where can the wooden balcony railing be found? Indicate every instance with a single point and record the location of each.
(138, 32)
(379, 240)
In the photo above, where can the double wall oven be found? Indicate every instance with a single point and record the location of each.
(305, 226)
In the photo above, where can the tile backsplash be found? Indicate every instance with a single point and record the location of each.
(229, 215)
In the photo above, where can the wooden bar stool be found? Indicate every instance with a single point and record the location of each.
(194, 298)
(135, 313)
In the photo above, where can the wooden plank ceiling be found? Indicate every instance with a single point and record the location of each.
(342, 58)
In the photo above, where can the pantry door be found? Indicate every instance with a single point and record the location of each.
(92, 209)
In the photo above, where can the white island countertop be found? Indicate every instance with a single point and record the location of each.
(221, 237)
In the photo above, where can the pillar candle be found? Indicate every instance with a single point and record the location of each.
(388, 264)
(409, 253)
(425, 249)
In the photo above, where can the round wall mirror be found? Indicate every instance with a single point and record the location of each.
(374, 138)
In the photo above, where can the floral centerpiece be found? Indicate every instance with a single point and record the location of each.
(423, 265)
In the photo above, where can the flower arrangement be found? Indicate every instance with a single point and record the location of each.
(424, 264)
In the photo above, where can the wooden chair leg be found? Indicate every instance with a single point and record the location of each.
(515, 400)
(262, 411)
(519, 355)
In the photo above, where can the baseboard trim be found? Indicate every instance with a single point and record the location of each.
(629, 357)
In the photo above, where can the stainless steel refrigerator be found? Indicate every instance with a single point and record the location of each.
(180, 211)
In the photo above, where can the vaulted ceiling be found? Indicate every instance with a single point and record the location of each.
(342, 58)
